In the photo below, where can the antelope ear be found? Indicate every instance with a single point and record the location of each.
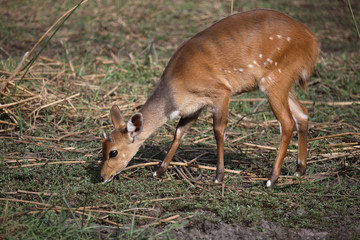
(135, 125)
(116, 117)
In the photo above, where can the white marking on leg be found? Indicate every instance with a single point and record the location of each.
(174, 114)
(296, 123)
(262, 89)
(303, 116)
(296, 110)
(280, 128)
(304, 74)
(268, 183)
(178, 133)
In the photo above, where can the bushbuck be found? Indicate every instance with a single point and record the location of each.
(258, 49)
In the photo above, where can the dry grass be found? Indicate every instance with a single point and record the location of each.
(52, 113)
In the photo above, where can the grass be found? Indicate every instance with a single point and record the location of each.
(49, 153)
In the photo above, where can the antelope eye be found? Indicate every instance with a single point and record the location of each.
(113, 153)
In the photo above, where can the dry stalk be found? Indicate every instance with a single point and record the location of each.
(27, 54)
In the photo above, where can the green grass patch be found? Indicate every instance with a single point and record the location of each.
(115, 52)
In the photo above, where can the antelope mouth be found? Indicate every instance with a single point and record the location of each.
(112, 177)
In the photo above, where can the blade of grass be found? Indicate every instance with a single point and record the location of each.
(353, 17)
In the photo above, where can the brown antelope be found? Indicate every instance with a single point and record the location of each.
(258, 49)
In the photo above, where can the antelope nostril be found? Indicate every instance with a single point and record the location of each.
(101, 179)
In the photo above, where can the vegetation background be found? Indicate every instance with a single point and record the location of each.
(52, 113)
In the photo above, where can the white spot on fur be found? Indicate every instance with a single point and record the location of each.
(260, 56)
(262, 89)
(227, 71)
(278, 49)
(216, 181)
(279, 36)
(269, 60)
(250, 66)
(288, 39)
(262, 80)
(279, 70)
(304, 74)
(268, 183)
(297, 174)
(265, 63)
(270, 79)
(124, 155)
(255, 62)
(234, 69)
(174, 114)
(271, 38)
(154, 174)
(241, 70)
(276, 63)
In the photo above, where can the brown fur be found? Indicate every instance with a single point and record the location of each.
(256, 49)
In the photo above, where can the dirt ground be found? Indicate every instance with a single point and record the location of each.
(21, 29)
(200, 228)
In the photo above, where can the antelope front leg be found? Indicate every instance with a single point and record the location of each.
(183, 126)
(220, 116)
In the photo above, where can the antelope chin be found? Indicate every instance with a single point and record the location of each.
(112, 177)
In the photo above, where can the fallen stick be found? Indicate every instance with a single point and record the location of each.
(47, 163)
(19, 102)
(53, 103)
(334, 136)
(186, 165)
(163, 220)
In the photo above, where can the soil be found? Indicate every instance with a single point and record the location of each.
(196, 228)
(265, 230)
(199, 227)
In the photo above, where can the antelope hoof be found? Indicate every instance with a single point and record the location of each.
(272, 179)
(158, 173)
(269, 184)
(219, 178)
(300, 170)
